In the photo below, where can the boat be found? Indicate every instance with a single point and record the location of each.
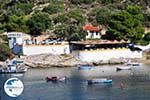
(14, 66)
(12, 69)
(55, 78)
(99, 80)
(133, 64)
(123, 68)
(84, 67)
(17, 75)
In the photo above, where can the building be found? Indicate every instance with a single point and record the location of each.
(14, 38)
(102, 50)
(25, 44)
(92, 31)
(94, 49)
(16, 41)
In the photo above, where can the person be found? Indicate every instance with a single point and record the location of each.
(9, 68)
(122, 85)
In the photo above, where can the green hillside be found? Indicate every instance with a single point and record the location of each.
(5, 52)
(124, 19)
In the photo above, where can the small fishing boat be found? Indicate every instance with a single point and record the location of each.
(99, 80)
(84, 67)
(12, 69)
(55, 78)
(17, 75)
(123, 68)
(14, 66)
(133, 64)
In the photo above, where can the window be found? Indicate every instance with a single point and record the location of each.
(97, 33)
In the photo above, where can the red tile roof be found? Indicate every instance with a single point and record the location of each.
(90, 27)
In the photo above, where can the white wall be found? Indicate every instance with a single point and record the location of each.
(106, 54)
(39, 49)
(92, 35)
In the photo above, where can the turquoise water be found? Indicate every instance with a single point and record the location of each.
(136, 84)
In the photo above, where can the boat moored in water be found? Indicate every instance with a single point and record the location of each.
(84, 67)
(123, 68)
(55, 78)
(14, 66)
(99, 80)
(11, 70)
(133, 64)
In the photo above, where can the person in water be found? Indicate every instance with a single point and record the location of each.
(122, 85)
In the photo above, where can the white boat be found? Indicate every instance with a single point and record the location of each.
(123, 68)
(133, 64)
(14, 66)
(17, 75)
(84, 67)
(99, 80)
(11, 70)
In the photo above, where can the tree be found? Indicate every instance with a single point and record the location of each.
(76, 16)
(70, 32)
(61, 19)
(16, 23)
(20, 9)
(5, 52)
(54, 8)
(147, 37)
(81, 1)
(108, 1)
(127, 24)
(38, 23)
(103, 16)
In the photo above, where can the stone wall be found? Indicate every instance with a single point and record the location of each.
(106, 54)
(40, 49)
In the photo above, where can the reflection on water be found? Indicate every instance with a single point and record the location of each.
(136, 84)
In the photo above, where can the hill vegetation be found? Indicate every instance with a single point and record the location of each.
(5, 52)
(124, 19)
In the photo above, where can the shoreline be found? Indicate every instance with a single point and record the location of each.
(61, 61)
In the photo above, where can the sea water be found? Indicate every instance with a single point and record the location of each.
(131, 84)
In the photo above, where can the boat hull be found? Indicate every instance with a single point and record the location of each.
(98, 81)
(133, 64)
(12, 72)
(123, 68)
(55, 79)
(85, 67)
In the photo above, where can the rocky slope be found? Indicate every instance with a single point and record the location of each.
(50, 60)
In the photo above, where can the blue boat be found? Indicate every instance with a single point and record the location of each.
(99, 80)
(85, 67)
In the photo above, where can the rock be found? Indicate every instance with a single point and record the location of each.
(50, 60)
